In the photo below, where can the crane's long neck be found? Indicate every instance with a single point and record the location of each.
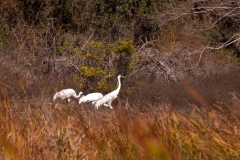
(119, 84)
(80, 93)
(77, 96)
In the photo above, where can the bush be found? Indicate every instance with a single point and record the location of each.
(100, 62)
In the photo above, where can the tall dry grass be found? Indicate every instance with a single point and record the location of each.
(41, 130)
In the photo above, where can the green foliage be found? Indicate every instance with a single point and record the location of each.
(101, 61)
(91, 71)
(66, 44)
(224, 29)
(228, 55)
(63, 12)
(125, 50)
(4, 36)
(109, 19)
(36, 12)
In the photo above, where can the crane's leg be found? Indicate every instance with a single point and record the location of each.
(105, 104)
(96, 106)
(67, 107)
(109, 105)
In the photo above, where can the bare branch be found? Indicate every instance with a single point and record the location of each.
(214, 23)
(181, 13)
(227, 43)
(147, 43)
(234, 96)
(8, 86)
(87, 41)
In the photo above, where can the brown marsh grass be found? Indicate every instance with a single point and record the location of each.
(46, 130)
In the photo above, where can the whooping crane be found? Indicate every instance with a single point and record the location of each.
(91, 97)
(108, 98)
(66, 93)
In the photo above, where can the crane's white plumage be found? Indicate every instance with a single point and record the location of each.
(108, 98)
(66, 93)
(91, 97)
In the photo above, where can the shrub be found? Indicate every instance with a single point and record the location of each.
(102, 61)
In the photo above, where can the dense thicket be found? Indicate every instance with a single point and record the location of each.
(134, 19)
(95, 40)
(109, 18)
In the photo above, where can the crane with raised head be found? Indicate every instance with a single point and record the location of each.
(108, 98)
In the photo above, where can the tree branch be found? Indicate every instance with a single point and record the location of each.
(227, 43)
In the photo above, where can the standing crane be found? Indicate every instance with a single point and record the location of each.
(108, 98)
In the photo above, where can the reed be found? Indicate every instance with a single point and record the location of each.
(37, 130)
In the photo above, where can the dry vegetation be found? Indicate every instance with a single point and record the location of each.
(60, 131)
(46, 46)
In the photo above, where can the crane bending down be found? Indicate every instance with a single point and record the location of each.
(66, 93)
(108, 98)
(91, 97)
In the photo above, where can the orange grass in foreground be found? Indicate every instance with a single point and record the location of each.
(37, 131)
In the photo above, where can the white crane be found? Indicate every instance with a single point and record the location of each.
(108, 98)
(66, 93)
(91, 97)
